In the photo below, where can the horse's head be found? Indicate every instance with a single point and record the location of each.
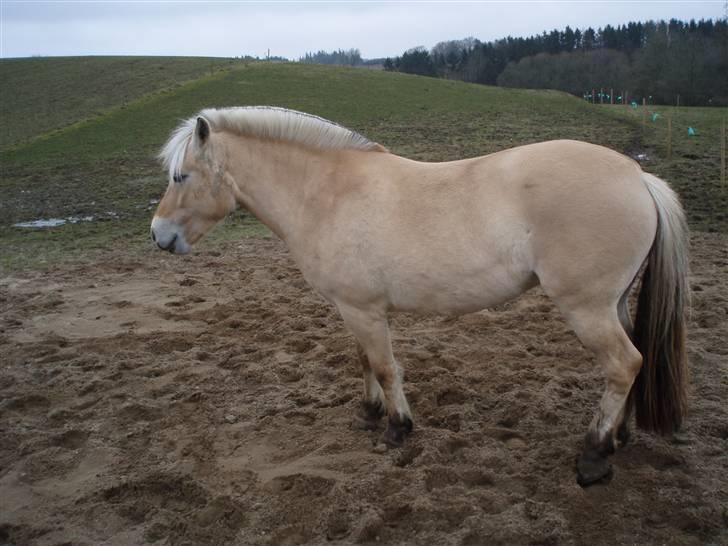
(198, 195)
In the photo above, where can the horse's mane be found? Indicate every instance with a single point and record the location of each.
(266, 122)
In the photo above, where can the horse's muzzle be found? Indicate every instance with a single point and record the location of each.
(168, 236)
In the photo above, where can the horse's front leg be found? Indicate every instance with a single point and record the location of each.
(371, 329)
(373, 405)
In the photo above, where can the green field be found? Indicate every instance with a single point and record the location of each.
(104, 165)
(42, 94)
(693, 167)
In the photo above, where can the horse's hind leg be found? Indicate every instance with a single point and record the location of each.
(601, 330)
(372, 407)
(372, 331)
(625, 318)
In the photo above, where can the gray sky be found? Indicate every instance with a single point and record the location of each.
(289, 29)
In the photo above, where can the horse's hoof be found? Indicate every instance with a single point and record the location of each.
(368, 415)
(393, 438)
(592, 469)
(398, 427)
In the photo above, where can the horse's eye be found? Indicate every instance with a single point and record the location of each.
(178, 178)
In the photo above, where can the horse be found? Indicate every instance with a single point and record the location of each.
(374, 233)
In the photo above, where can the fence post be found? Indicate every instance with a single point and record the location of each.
(644, 113)
(594, 96)
(611, 96)
(669, 135)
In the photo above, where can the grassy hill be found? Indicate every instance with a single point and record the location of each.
(42, 94)
(105, 166)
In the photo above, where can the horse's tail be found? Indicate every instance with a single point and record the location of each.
(659, 393)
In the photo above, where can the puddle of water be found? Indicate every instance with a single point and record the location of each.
(640, 156)
(50, 222)
(53, 222)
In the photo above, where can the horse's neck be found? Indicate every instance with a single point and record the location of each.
(273, 180)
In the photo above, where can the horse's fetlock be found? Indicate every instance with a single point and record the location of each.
(623, 434)
(602, 447)
(368, 415)
(372, 409)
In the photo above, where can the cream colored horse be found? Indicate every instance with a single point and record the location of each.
(373, 233)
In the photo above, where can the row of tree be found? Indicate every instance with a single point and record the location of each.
(351, 57)
(655, 59)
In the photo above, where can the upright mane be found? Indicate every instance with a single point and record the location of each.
(266, 122)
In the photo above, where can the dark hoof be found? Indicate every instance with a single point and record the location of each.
(623, 435)
(592, 468)
(398, 428)
(368, 416)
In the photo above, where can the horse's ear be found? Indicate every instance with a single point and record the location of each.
(202, 130)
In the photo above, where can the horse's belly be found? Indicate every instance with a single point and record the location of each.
(458, 292)
(444, 268)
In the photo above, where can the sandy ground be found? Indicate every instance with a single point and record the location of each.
(207, 399)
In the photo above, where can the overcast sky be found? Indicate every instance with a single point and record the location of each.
(290, 29)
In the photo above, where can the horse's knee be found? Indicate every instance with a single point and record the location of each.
(632, 359)
(621, 369)
(362, 356)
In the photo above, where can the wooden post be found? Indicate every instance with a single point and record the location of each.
(594, 96)
(722, 155)
(644, 113)
(678, 101)
(601, 95)
(669, 136)
(611, 96)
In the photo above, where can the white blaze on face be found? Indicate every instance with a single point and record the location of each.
(169, 236)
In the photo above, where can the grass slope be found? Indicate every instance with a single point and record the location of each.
(42, 94)
(693, 167)
(107, 164)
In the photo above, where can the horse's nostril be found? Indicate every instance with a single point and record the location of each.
(154, 237)
(170, 247)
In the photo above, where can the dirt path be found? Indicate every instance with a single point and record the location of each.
(207, 399)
